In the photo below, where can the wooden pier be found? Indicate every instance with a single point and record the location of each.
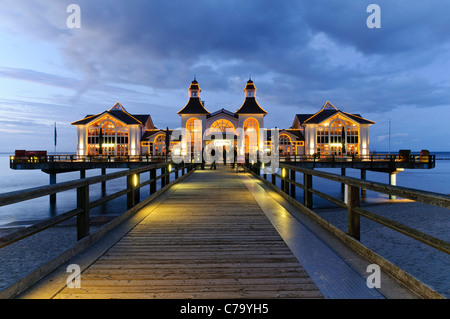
(205, 234)
(208, 238)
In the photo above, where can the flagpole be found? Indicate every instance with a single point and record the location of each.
(55, 138)
(389, 137)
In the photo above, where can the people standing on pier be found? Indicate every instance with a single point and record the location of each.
(224, 155)
(213, 154)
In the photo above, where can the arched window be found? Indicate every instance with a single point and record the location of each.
(221, 126)
(251, 133)
(337, 137)
(159, 146)
(194, 126)
(285, 145)
(104, 134)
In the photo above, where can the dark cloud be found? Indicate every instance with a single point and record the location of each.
(299, 52)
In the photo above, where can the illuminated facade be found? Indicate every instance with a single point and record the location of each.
(333, 132)
(327, 132)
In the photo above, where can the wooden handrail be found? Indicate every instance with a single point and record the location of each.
(83, 202)
(354, 211)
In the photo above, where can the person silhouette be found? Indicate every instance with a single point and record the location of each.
(213, 154)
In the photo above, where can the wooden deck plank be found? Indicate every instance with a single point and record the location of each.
(208, 239)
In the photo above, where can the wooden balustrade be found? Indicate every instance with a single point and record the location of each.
(352, 203)
(83, 202)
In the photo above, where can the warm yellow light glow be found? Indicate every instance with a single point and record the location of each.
(170, 167)
(283, 172)
(135, 180)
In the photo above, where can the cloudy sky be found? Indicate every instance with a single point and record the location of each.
(300, 54)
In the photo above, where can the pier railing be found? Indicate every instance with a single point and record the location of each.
(394, 158)
(83, 202)
(73, 158)
(353, 187)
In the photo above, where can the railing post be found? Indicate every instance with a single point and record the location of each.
(83, 218)
(176, 170)
(131, 200)
(104, 182)
(342, 184)
(153, 177)
(137, 191)
(168, 174)
(163, 178)
(353, 217)
(292, 184)
(307, 195)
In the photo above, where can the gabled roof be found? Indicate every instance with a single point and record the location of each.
(297, 133)
(119, 112)
(148, 134)
(222, 111)
(327, 111)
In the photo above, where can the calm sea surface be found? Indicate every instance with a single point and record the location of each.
(427, 264)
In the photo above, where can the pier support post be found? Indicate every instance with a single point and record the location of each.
(82, 173)
(52, 182)
(307, 195)
(363, 177)
(393, 182)
(353, 217)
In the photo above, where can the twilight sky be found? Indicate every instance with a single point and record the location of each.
(300, 54)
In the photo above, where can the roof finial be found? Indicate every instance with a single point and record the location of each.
(195, 77)
(249, 77)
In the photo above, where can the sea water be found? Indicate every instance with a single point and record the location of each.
(423, 262)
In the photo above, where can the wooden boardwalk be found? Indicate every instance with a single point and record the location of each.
(208, 239)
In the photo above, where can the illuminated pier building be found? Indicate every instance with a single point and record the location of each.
(328, 132)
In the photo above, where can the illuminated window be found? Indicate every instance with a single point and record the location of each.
(285, 145)
(251, 131)
(221, 126)
(194, 126)
(159, 146)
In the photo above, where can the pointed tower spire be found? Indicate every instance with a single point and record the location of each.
(194, 106)
(250, 105)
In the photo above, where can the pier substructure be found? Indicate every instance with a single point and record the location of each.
(52, 182)
(363, 177)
